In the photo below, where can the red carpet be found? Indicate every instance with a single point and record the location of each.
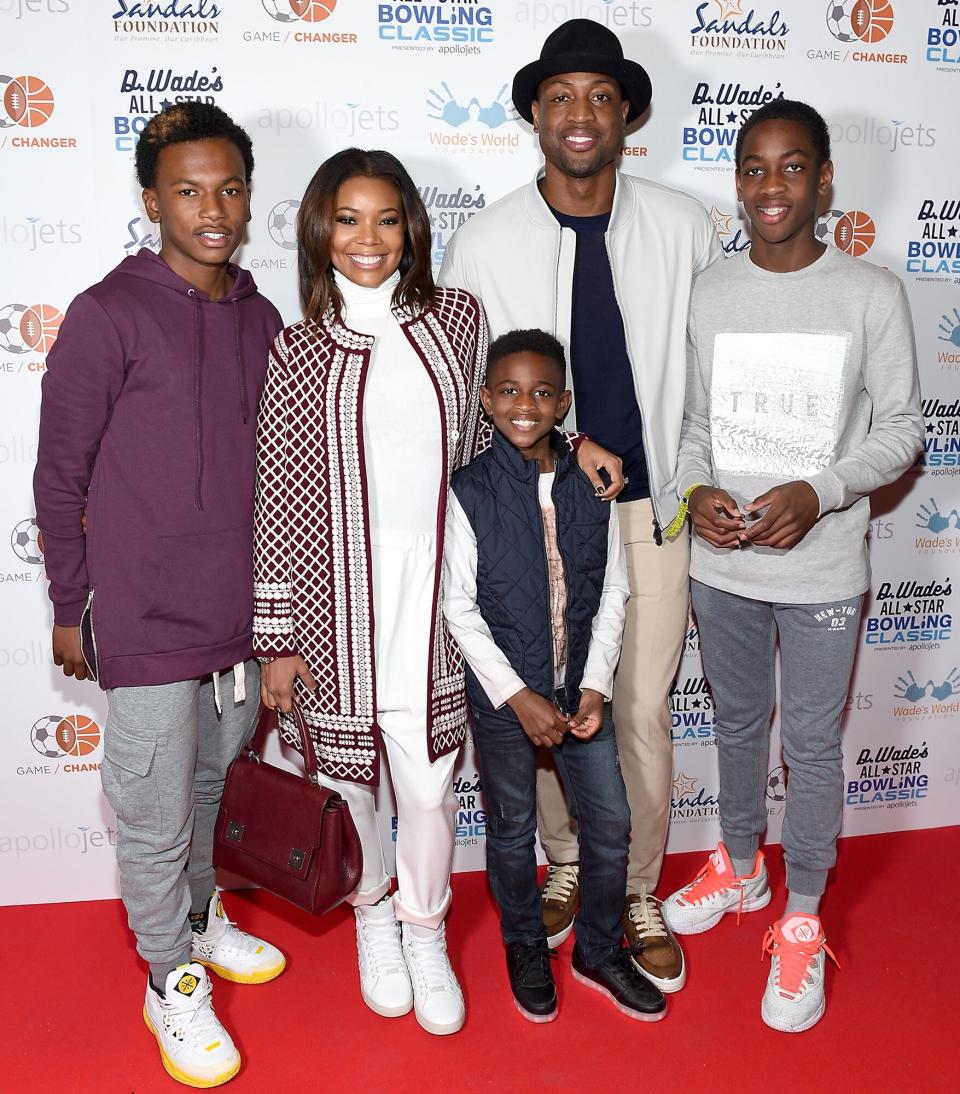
(73, 989)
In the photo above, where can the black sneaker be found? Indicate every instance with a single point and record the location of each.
(617, 978)
(531, 980)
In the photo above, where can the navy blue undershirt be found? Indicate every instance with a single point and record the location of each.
(606, 401)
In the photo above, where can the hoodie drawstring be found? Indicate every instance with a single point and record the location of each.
(197, 412)
(239, 347)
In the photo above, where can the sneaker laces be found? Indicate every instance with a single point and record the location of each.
(533, 962)
(560, 882)
(191, 1018)
(792, 973)
(709, 883)
(381, 939)
(431, 965)
(644, 914)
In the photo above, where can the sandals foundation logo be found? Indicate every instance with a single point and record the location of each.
(710, 138)
(692, 712)
(724, 28)
(691, 801)
(172, 21)
(935, 256)
(943, 37)
(941, 445)
(71, 738)
(448, 209)
(27, 102)
(937, 698)
(852, 232)
(910, 614)
(890, 776)
(733, 239)
(307, 18)
(445, 26)
(146, 92)
(141, 233)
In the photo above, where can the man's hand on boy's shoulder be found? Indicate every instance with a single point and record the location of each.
(592, 460)
(792, 509)
(588, 720)
(67, 653)
(540, 719)
(716, 517)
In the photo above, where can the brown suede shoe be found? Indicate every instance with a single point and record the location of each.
(560, 898)
(656, 952)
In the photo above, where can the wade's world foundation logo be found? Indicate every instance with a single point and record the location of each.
(737, 28)
(948, 358)
(448, 209)
(935, 255)
(910, 615)
(889, 776)
(694, 719)
(852, 232)
(941, 443)
(691, 801)
(935, 695)
(939, 529)
(472, 124)
(943, 35)
(720, 109)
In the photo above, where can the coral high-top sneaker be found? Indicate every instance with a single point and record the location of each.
(794, 1000)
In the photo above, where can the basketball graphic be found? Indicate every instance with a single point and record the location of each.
(855, 233)
(40, 326)
(313, 11)
(28, 101)
(872, 20)
(78, 735)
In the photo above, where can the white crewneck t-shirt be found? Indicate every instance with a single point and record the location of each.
(401, 416)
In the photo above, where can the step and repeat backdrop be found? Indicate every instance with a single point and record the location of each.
(430, 81)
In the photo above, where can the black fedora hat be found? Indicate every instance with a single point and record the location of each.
(582, 45)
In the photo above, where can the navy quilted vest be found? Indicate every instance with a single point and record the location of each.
(498, 492)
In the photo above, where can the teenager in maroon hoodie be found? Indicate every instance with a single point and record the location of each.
(148, 420)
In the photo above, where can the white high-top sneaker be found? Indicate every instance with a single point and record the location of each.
(793, 1000)
(384, 980)
(437, 999)
(232, 953)
(195, 1048)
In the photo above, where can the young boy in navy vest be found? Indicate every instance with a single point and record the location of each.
(535, 595)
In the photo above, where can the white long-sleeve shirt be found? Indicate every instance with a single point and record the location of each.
(466, 625)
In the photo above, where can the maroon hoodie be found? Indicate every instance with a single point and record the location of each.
(149, 417)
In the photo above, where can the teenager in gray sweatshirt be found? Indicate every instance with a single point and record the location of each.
(802, 399)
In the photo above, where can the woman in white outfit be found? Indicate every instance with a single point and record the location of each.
(371, 402)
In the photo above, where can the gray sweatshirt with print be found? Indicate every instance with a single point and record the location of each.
(804, 375)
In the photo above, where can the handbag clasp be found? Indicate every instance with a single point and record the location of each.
(296, 858)
(235, 831)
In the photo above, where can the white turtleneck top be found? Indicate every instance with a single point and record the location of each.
(401, 416)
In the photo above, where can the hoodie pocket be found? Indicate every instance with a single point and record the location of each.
(204, 594)
(88, 640)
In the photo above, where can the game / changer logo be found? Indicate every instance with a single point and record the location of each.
(852, 232)
(27, 101)
(867, 21)
(28, 328)
(57, 736)
(26, 541)
(293, 11)
(306, 20)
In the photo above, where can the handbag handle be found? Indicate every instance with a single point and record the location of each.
(270, 719)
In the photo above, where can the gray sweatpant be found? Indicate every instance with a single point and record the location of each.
(818, 644)
(166, 751)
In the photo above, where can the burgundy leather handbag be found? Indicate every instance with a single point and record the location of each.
(284, 832)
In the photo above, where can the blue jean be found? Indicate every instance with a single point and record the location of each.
(590, 771)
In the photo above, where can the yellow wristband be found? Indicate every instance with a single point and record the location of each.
(673, 528)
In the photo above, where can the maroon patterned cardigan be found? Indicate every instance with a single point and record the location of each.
(312, 564)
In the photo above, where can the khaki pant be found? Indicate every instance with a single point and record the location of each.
(652, 643)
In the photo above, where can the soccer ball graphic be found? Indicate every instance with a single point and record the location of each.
(827, 226)
(840, 21)
(776, 789)
(11, 331)
(25, 541)
(43, 736)
(282, 224)
(281, 10)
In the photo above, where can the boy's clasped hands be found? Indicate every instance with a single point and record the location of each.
(789, 512)
(545, 724)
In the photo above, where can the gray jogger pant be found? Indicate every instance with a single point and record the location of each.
(818, 644)
(165, 755)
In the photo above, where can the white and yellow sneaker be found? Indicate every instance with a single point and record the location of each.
(232, 953)
(195, 1048)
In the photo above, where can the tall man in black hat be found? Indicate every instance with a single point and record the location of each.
(604, 260)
